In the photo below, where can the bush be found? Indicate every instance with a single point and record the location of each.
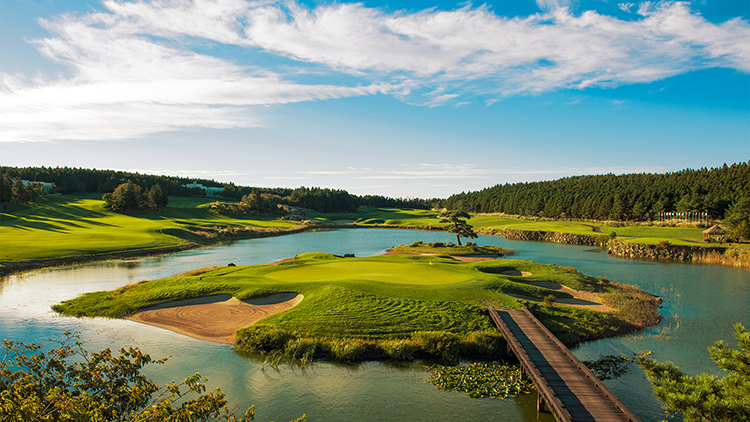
(262, 338)
(486, 343)
(400, 349)
(348, 349)
(99, 386)
(549, 300)
(438, 344)
(301, 348)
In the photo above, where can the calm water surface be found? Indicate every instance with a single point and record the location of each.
(701, 303)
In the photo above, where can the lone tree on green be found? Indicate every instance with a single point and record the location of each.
(456, 224)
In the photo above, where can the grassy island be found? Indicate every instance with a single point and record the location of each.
(397, 306)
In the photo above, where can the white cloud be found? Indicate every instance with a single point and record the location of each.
(552, 4)
(536, 53)
(125, 85)
(135, 68)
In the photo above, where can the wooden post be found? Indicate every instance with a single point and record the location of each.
(540, 404)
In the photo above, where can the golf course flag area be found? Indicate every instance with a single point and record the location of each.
(396, 306)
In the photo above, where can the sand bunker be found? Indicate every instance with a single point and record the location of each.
(214, 318)
(581, 299)
(516, 273)
(472, 258)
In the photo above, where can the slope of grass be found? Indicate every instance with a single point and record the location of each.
(58, 227)
(381, 299)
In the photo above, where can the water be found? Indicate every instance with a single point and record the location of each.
(701, 303)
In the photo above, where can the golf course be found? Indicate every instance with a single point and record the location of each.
(396, 306)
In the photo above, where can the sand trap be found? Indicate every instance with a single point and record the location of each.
(516, 273)
(581, 299)
(214, 318)
(471, 258)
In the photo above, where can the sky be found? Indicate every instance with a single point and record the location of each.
(397, 98)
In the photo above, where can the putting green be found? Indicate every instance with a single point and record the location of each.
(387, 272)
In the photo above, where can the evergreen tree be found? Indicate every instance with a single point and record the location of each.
(456, 224)
(19, 192)
(738, 218)
(706, 397)
(158, 198)
(6, 189)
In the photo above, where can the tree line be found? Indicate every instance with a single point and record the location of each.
(70, 180)
(627, 197)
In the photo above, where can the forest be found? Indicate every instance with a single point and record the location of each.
(69, 180)
(627, 197)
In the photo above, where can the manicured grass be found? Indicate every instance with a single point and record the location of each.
(58, 227)
(368, 216)
(423, 218)
(500, 222)
(372, 298)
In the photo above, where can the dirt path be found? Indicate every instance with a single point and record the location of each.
(596, 229)
(214, 318)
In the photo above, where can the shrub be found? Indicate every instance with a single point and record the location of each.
(401, 349)
(549, 300)
(438, 344)
(348, 349)
(486, 343)
(416, 244)
(262, 338)
(301, 348)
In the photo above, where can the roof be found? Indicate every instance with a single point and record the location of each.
(715, 229)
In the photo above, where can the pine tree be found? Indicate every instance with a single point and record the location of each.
(706, 397)
(456, 224)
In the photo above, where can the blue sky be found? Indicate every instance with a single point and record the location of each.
(404, 99)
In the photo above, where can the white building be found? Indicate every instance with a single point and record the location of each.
(210, 191)
(47, 186)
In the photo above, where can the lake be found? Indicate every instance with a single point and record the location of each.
(701, 304)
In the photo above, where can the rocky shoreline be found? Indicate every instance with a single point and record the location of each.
(736, 257)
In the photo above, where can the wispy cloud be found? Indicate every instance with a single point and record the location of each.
(546, 51)
(136, 68)
(126, 85)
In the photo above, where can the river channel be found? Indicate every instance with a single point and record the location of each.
(701, 304)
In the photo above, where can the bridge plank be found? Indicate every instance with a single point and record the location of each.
(571, 391)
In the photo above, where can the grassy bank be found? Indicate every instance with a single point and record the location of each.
(65, 227)
(384, 306)
(439, 248)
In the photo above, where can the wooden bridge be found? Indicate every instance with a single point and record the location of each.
(569, 389)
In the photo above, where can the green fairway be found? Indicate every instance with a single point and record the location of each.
(68, 227)
(367, 216)
(388, 272)
(373, 217)
(59, 227)
(374, 298)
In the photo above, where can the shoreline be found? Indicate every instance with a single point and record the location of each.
(697, 254)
